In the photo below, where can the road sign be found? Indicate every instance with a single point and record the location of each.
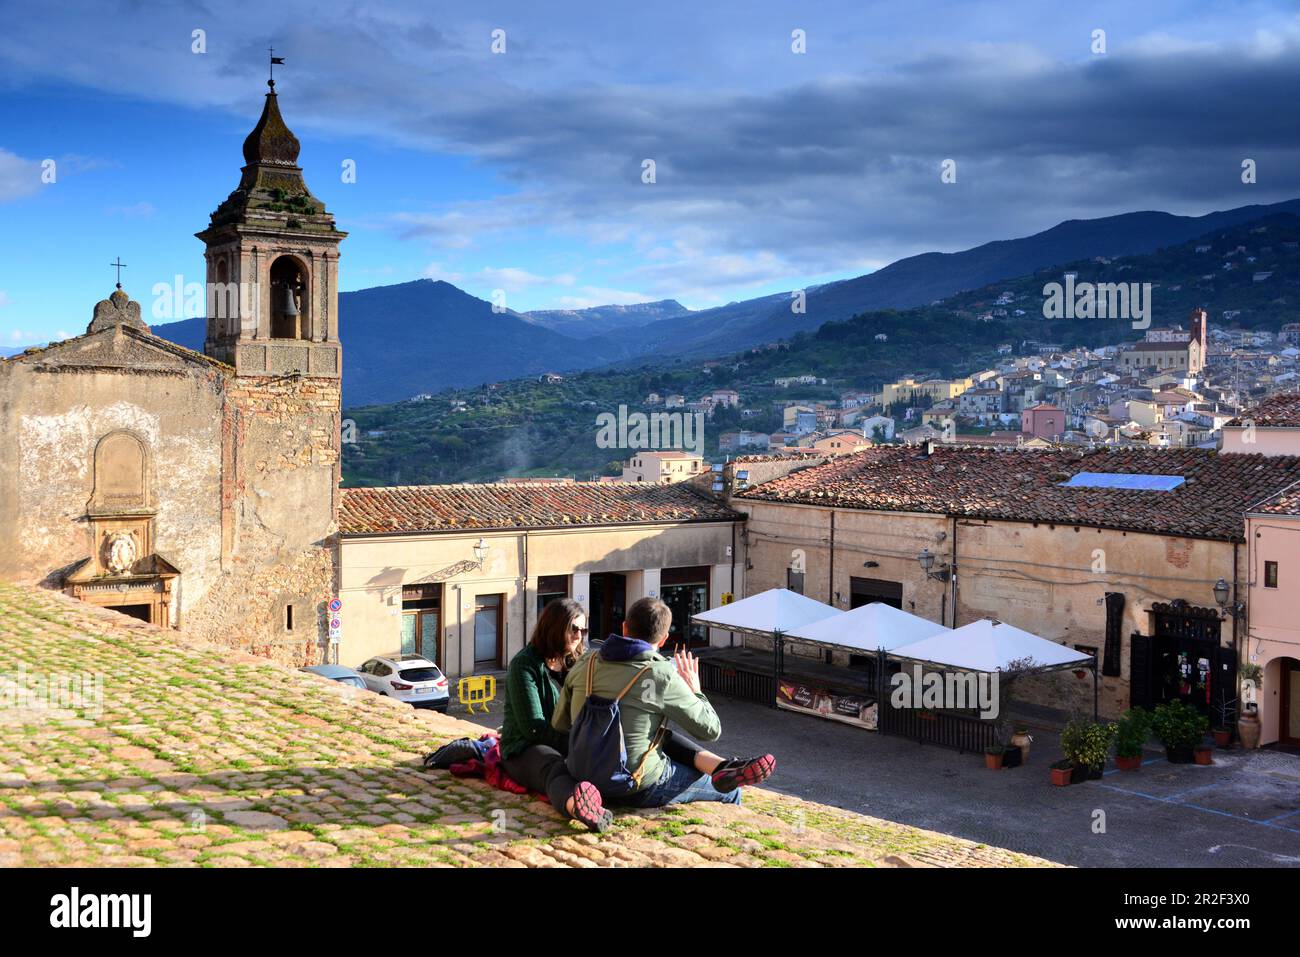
(335, 605)
(335, 624)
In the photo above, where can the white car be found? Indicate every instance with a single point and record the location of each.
(410, 678)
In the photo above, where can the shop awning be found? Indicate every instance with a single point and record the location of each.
(777, 609)
(991, 645)
(868, 629)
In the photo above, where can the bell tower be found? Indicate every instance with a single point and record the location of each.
(272, 264)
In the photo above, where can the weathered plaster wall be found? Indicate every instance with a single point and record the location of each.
(373, 571)
(52, 421)
(1050, 580)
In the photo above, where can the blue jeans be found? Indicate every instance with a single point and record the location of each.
(680, 784)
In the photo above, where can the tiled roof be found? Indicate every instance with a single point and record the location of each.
(1282, 409)
(1286, 502)
(1024, 485)
(437, 508)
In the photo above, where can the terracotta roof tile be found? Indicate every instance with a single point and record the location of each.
(436, 508)
(1023, 485)
(1282, 410)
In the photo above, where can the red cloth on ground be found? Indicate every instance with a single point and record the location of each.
(490, 770)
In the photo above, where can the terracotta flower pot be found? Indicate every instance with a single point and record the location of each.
(993, 760)
(1061, 776)
(1204, 755)
(1128, 764)
(1248, 730)
(1222, 738)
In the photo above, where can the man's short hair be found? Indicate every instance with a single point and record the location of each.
(648, 619)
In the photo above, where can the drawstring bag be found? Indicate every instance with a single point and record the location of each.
(597, 750)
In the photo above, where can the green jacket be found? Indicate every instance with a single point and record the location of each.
(660, 694)
(531, 694)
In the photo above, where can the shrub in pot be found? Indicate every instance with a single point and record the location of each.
(1131, 733)
(1180, 728)
(1086, 744)
(993, 757)
(1062, 773)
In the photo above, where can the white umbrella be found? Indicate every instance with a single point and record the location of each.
(777, 609)
(990, 645)
(869, 628)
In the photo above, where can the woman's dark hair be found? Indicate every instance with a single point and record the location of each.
(551, 633)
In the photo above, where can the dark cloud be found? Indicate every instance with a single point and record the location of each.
(770, 166)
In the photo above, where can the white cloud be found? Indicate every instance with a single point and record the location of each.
(18, 177)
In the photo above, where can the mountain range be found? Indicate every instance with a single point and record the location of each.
(424, 336)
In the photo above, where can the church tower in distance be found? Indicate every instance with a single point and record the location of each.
(272, 264)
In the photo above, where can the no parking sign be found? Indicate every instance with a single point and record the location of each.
(336, 623)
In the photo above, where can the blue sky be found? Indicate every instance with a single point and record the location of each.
(522, 170)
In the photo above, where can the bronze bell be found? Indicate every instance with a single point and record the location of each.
(290, 303)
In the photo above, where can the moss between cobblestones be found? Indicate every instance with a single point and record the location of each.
(190, 735)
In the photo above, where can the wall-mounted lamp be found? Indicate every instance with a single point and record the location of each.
(1222, 592)
(926, 561)
(480, 551)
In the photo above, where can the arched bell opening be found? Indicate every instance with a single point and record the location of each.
(289, 306)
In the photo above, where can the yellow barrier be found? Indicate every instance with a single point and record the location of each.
(477, 690)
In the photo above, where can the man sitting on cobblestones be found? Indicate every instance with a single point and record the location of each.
(668, 691)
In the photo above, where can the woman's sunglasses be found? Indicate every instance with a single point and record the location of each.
(581, 631)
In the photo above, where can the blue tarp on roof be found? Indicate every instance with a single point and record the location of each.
(1124, 480)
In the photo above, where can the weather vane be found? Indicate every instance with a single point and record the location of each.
(119, 265)
(274, 60)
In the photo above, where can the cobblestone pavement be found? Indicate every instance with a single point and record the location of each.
(1244, 811)
(199, 756)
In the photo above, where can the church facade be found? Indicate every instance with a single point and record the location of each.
(195, 490)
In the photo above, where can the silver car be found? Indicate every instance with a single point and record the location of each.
(410, 678)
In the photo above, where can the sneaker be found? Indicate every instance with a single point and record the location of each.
(743, 772)
(454, 752)
(589, 809)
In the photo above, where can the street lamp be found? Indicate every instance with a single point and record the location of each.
(480, 551)
(926, 561)
(1222, 590)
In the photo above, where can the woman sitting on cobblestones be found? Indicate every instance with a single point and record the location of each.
(532, 752)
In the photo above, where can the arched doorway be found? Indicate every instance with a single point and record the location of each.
(289, 306)
(1288, 721)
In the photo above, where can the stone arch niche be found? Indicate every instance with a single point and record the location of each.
(122, 571)
(290, 298)
(121, 470)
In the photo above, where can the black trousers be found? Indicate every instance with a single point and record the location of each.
(542, 768)
(677, 747)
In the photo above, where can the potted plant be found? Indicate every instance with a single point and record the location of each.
(993, 756)
(1131, 733)
(1203, 753)
(1225, 715)
(1086, 744)
(1180, 728)
(1062, 773)
(1248, 722)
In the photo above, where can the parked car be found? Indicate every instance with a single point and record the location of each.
(344, 676)
(410, 678)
